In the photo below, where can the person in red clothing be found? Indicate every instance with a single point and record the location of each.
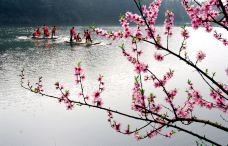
(46, 33)
(77, 37)
(72, 32)
(87, 36)
(53, 31)
(38, 32)
(34, 34)
(44, 29)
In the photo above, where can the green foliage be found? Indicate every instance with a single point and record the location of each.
(79, 64)
(136, 79)
(121, 46)
(189, 81)
(92, 26)
(173, 132)
(142, 91)
(121, 16)
(206, 71)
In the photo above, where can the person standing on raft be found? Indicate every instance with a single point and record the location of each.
(53, 31)
(72, 32)
(87, 36)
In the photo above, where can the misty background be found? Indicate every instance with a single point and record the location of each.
(77, 12)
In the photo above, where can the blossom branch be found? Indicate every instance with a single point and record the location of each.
(113, 111)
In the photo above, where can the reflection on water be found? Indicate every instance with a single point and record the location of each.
(28, 119)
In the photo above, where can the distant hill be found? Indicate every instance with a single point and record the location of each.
(77, 12)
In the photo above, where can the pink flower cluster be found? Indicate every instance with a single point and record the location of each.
(80, 76)
(200, 56)
(185, 33)
(219, 101)
(152, 12)
(137, 136)
(163, 81)
(97, 100)
(169, 22)
(138, 34)
(125, 25)
(202, 15)
(113, 35)
(154, 132)
(113, 124)
(137, 19)
(209, 12)
(79, 73)
(155, 108)
(171, 95)
(139, 66)
(158, 56)
(151, 15)
(64, 96)
(137, 98)
(130, 58)
(196, 98)
(117, 126)
(219, 37)
(169, 134)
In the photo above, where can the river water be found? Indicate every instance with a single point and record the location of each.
(27, 119)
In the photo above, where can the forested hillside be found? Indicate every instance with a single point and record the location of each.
(77, 12)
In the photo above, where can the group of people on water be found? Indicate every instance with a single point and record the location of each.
(46, 33)
(77, 37)
(73, 35)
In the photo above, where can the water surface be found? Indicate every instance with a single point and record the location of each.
(27, 119)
